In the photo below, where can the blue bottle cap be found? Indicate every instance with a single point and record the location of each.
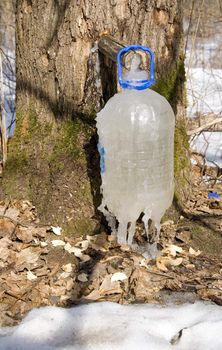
(135, 84)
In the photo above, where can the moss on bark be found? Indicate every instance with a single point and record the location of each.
(172, 87)
(49, 165)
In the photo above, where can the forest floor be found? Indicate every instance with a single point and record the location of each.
(39, 266)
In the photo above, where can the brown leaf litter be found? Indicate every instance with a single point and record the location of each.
(39, 268)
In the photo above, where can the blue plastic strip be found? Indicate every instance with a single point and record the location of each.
(213, 195)
(132, 84)
(102, 153)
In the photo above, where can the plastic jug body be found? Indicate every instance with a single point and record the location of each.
(136, 144)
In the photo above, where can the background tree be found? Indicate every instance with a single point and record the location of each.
(7, 74)
(62, 81)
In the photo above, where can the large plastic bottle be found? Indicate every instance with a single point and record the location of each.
(136, 145)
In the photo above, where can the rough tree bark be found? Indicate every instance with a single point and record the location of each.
(57, 59)
(60, 74)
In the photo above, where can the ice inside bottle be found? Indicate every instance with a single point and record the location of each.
(136, 145)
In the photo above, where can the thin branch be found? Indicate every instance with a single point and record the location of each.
(189, 26)
(8, 58)
(204, 127)
(2, 117)
(194, 38)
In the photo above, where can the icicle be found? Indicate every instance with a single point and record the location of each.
(152, 250)
(158, 227)
(146, 217)
(131, 232)
(122, 232)
(111, 220)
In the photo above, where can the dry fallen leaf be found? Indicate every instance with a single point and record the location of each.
(77, 252)
(163, 262)
(41, 232)
(172, 249)
(176, 262)
(140, 262)
(67, 267)
(57, 242)
(4, 253)
(194, 252)
(31, 276)
(24, 234)
(71, 249)
(118, 276)
(94, 295)
(58, 290)
(112, 238)
(125, 248)
(90, 238)
(82, 277)
(190, 266)
(28, 256)
(2, 210)
(205, 209)
(12, 213)
(98, 247)
(5, 242)
(56, 230)
(69, 284)
(64, 297)
(6, 227)
(64, 275)
(168, 222)
(85, 258)
(107, 287)
(83, 245)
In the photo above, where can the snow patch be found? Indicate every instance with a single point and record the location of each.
(204, 91)
(110, 326)
(209, 144)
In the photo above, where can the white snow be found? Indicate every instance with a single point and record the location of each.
(204, 91)
(9, 89)
(209, 144)
(110, 326)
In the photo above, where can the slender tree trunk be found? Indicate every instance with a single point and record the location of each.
(2, 118)
(7, 34)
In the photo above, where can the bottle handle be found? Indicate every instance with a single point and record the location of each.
(130, 84)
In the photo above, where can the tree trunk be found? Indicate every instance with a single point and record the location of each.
(60, 74)
(57, 60)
